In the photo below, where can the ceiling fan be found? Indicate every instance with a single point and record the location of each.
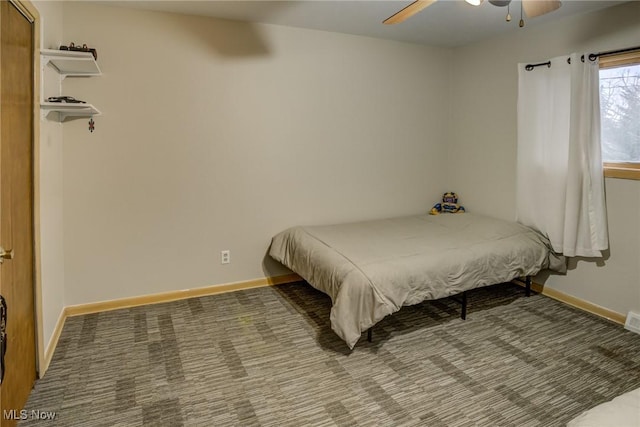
(532, 8)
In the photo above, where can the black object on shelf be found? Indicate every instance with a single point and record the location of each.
(82, 48)
(69, 99)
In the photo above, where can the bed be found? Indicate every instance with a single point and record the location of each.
(623, 411)
(371, 269)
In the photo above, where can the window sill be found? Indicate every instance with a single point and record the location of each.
(622, 171)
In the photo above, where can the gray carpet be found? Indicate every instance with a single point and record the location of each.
(268, 357)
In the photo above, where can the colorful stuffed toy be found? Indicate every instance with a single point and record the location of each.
(449, 205)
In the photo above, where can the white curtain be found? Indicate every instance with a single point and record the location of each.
(560, 183)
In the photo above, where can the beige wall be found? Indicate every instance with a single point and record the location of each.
(483, 142)
(50, 182)
(218, 134)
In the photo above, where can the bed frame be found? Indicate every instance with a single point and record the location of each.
(463, 302)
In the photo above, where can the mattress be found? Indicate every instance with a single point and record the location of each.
(371, 269)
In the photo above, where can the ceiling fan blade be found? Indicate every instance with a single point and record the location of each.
(535, 8)
(408, 11)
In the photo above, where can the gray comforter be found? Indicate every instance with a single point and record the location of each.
(371, 269)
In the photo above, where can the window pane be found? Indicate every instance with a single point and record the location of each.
(620, 113)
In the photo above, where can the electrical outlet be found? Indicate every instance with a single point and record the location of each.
(225, 257)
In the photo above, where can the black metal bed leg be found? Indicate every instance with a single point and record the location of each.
(528, 286)
(369, 333)
(463, 314)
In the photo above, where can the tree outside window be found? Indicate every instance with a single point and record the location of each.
(620, 115)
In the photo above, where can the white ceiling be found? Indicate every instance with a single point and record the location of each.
(446, 23)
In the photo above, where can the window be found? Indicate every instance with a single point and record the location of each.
(620, 115)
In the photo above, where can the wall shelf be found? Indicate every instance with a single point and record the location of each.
(66, 110)
(67, 64)
(71, 63)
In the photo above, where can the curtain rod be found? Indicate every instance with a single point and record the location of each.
(592, 57)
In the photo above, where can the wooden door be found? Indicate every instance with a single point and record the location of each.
(16, 208)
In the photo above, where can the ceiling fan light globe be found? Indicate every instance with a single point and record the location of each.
(474, 2)
(500, 3)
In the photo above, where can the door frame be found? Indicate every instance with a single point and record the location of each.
(31, 13)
